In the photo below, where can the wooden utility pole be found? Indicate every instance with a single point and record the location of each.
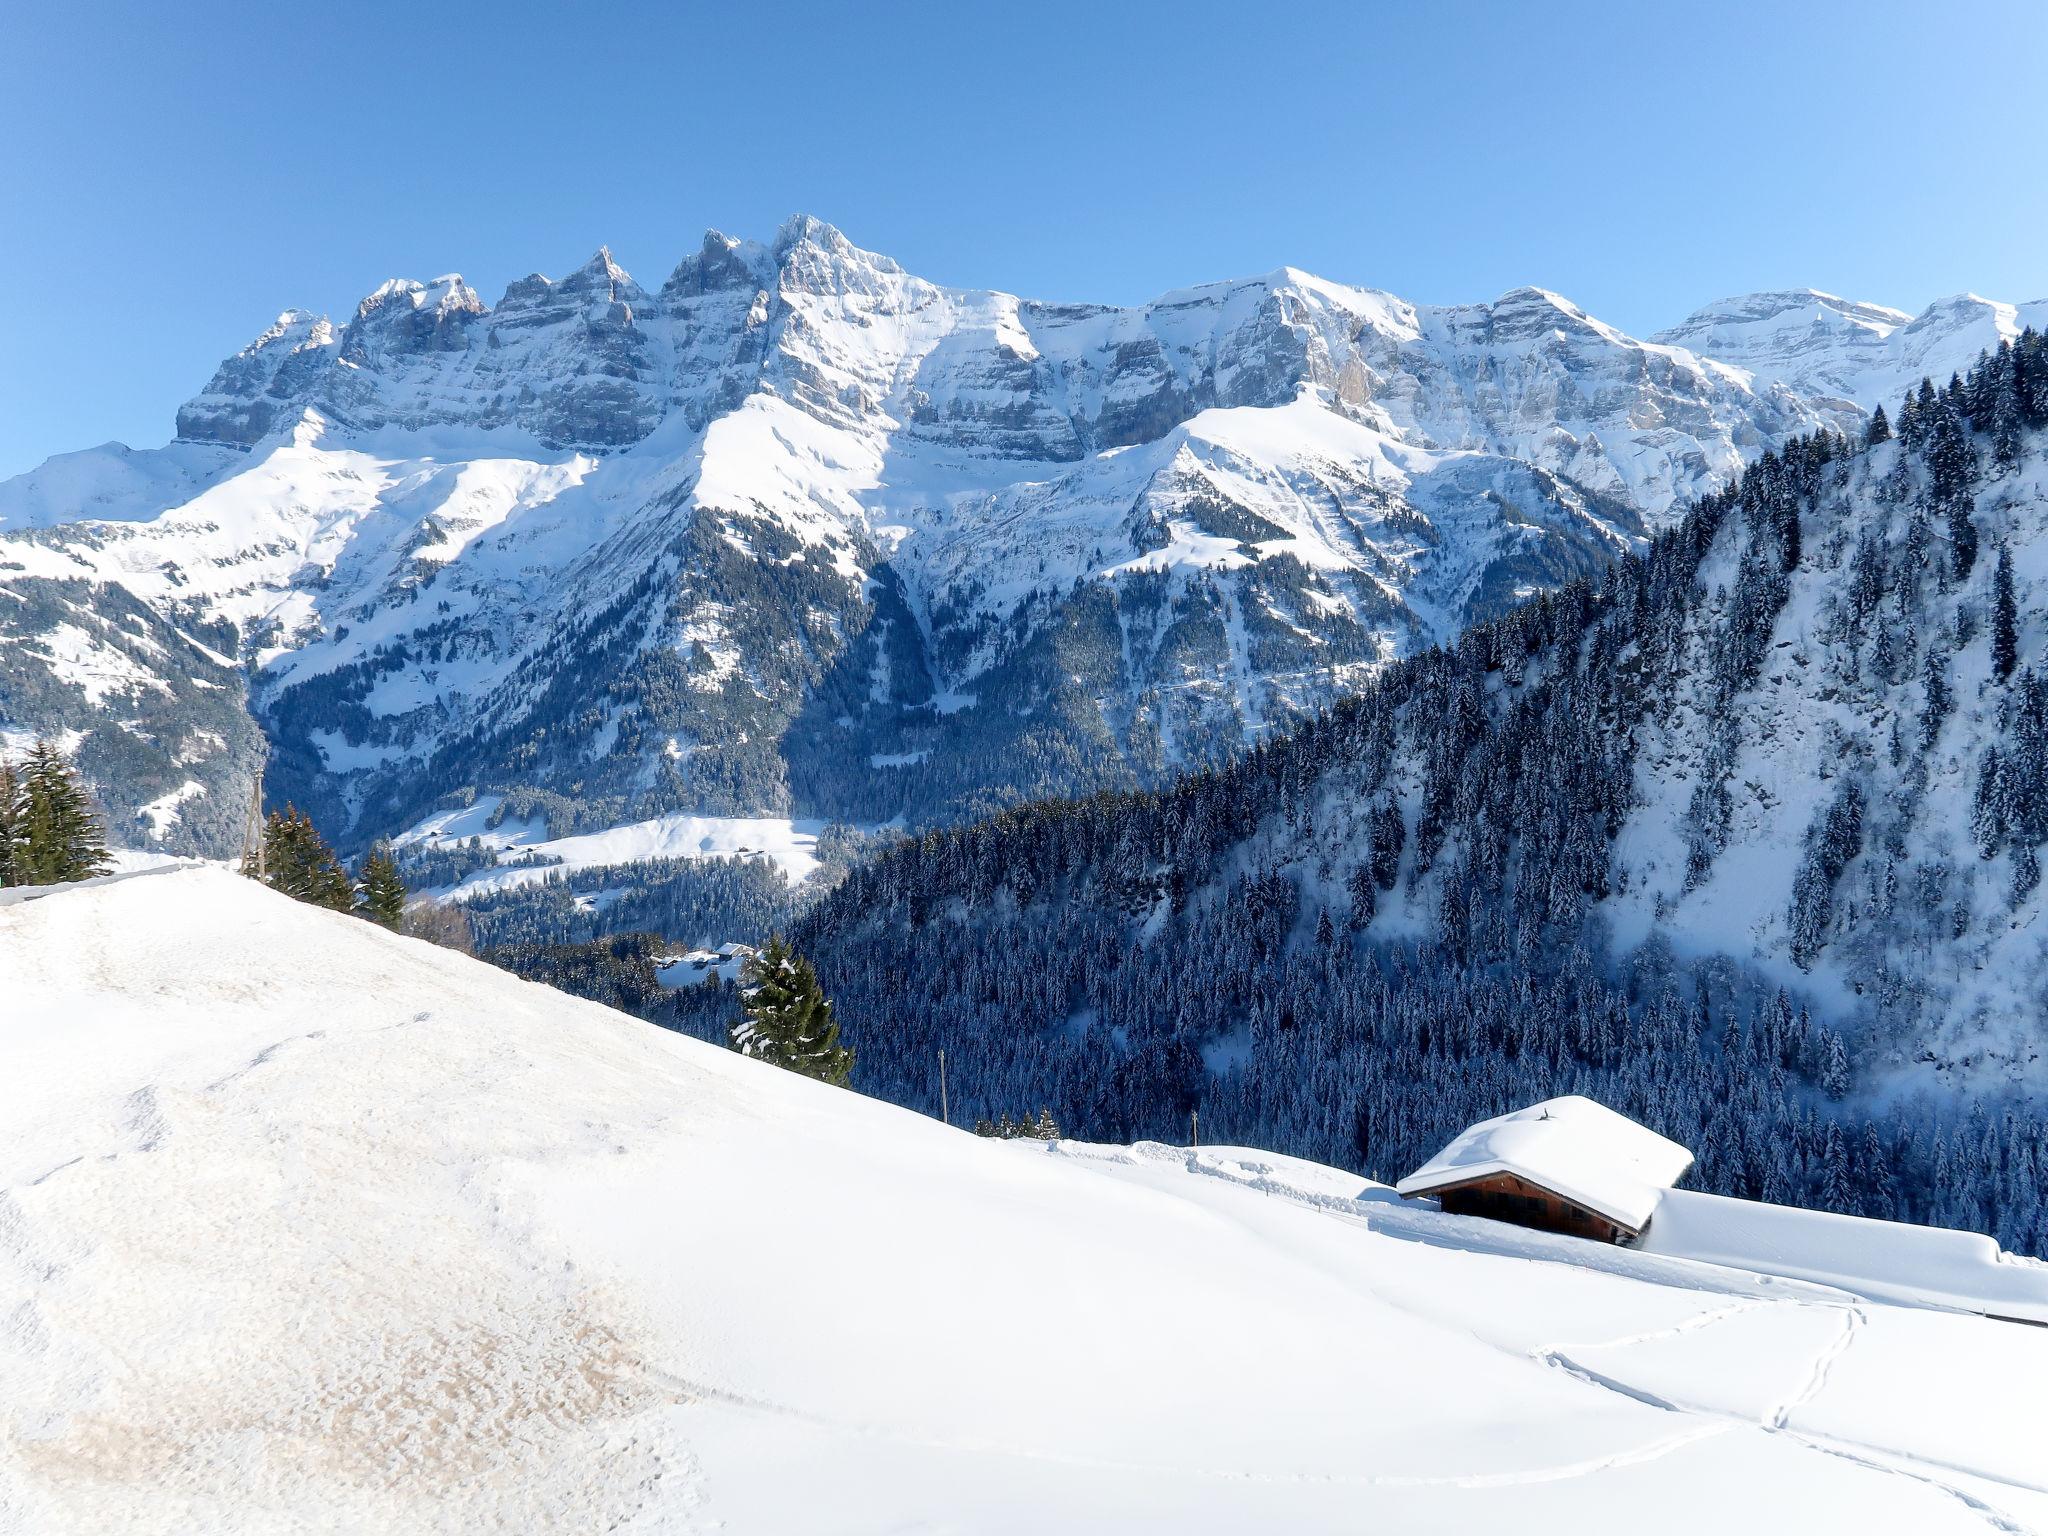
(945, 1115)
(252, 831)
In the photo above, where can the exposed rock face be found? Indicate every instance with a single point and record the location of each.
(260, 387)
(595, 362)
(802, 531)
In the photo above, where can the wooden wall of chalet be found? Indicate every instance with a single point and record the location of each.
(1504, 1197)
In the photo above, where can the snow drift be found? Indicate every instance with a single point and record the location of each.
(1887, 1260)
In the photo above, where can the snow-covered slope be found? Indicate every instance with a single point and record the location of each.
(154, 716)
(308, 1227)
(798, 532)
(1830, 349)
(527, 854)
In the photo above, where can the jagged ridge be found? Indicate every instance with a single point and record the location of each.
(800, 531)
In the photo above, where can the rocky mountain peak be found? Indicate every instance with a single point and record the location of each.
(722, 263)
(1813, 305)
(817, 478)
(805, 229)
(602, 277)
(402, 317)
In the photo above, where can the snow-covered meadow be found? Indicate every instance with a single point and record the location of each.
(309, 1227)
(528, 856)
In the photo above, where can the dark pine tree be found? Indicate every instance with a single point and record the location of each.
(1879, 430)
(786, 1018)
(298, 862)
(382, 896)
(2005, 620)
(1940, 698)
(10, 821)
(56, 833)
(1835, 1192)
(1962, 537)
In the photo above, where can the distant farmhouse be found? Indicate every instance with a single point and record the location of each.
(1570, 1165)
(1565, 1165)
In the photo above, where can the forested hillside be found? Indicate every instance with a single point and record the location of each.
(1743, 840)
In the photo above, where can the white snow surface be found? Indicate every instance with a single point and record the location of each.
(309, 1227)
(1829, 348)
(789, 844)
(112, 481)
(162, 813)
(1889, 1260)
(1571, 1146)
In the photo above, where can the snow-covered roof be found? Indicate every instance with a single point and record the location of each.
(1570, 1146)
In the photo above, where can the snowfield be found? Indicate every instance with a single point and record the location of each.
(790, 845)
(307, 1227)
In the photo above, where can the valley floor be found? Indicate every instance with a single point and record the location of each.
(306, 1227)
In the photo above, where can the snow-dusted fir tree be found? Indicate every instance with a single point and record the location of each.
(10, 820)
(786, 1017)
(381, 895)
(298, 862)
(51, 832)
(2005, 623)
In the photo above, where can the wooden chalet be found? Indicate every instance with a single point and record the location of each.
(1566, 1165)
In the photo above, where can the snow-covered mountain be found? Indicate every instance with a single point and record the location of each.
(596, 362)
(1746, 840)
(798, 531)
(1836, 351)
(305, 1226)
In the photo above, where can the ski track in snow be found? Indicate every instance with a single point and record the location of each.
(1776, 1422)
(1992, 1515)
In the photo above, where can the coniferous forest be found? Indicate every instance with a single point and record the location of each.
(1361, 937)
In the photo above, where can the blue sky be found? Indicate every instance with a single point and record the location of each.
(175, 175)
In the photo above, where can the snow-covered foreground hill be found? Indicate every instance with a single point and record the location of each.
(308, 1227)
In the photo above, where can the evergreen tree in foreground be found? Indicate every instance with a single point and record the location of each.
(786, 1018)
(10, 820)
(298, 862)
(382, 897)
(49, 831)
